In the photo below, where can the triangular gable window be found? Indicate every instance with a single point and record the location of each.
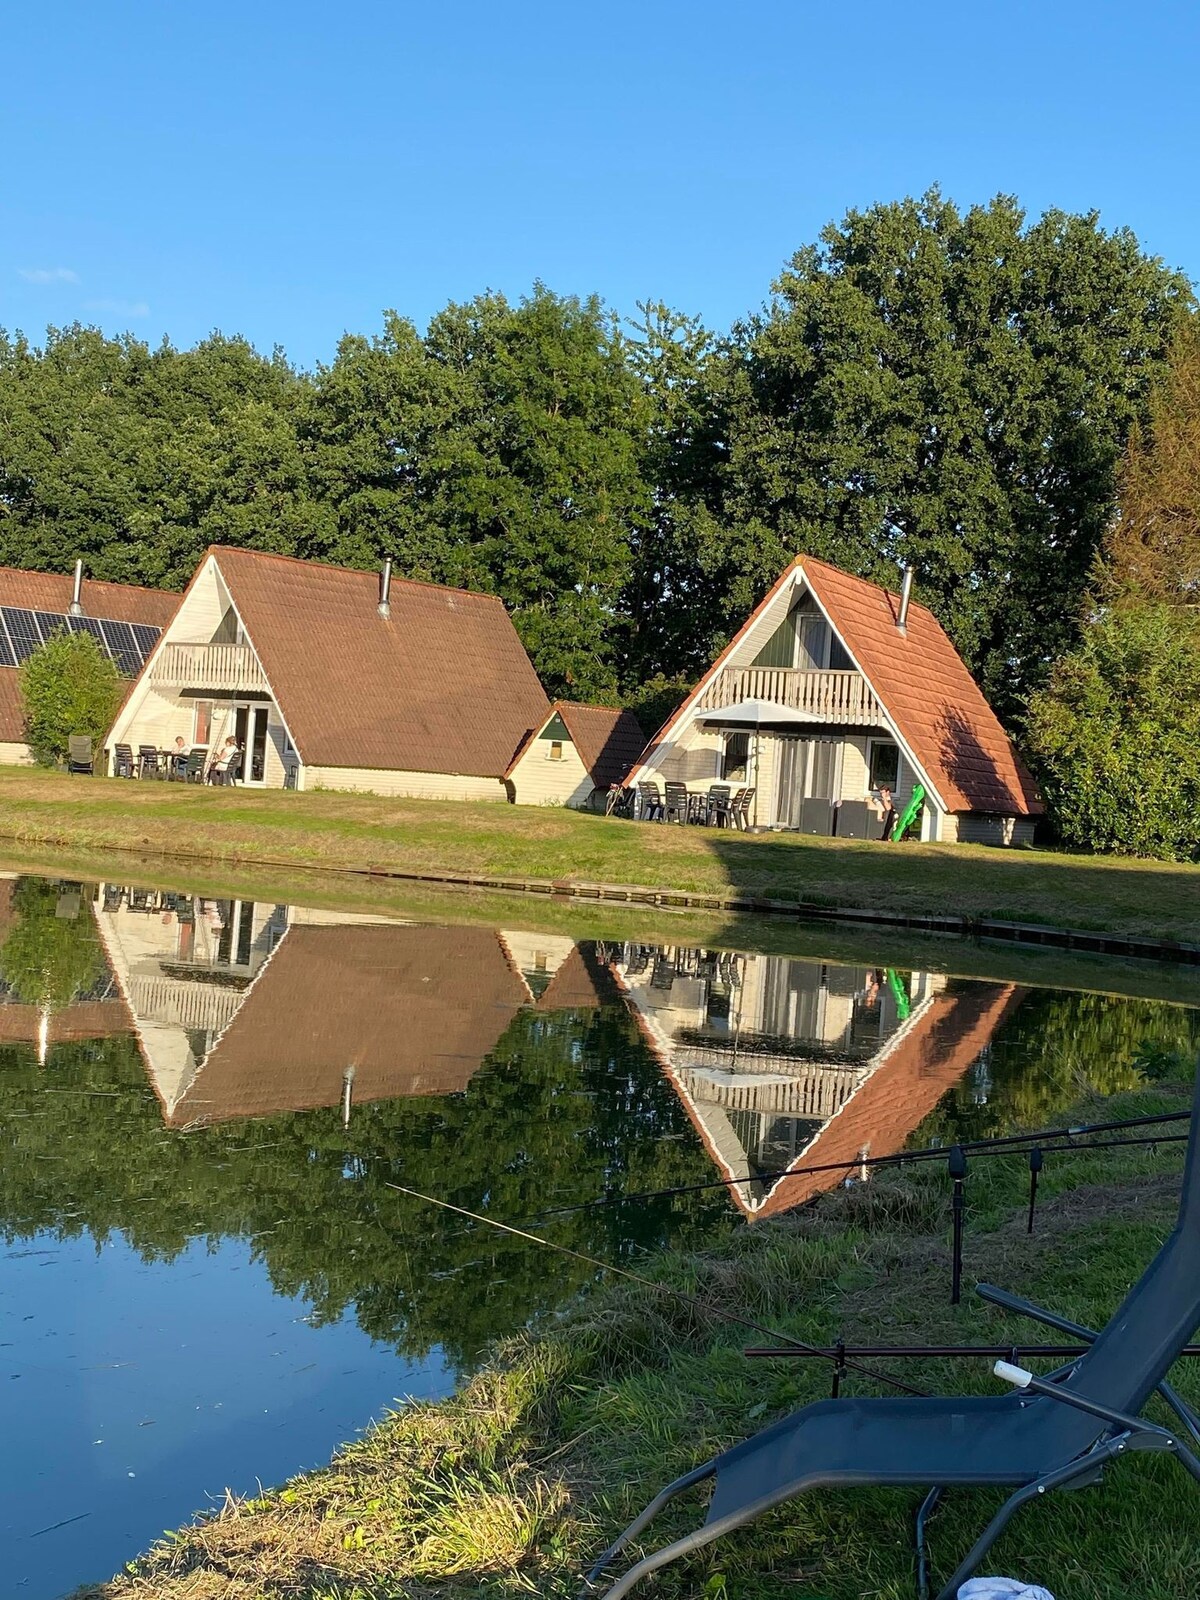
(556, 729)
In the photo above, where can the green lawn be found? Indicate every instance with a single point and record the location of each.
(347, 832)
(510, 1487)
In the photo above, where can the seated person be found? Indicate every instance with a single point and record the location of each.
(177, 764)
(218, 772)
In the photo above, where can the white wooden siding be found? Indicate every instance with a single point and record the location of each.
(405, 785)
(979, 827)
(539, 781)
(15, 755)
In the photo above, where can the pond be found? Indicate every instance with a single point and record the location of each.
(206, 1280)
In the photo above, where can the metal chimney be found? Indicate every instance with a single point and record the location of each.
(385, 589)
(905, 597)
(76, 602)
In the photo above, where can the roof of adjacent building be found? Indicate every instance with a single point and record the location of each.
(441, 685)
(609, 739)
(52, 591)
(413, 1009)
(935, 705)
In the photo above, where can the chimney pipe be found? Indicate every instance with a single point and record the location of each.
(76, 602)
(385, 589)
(905, 597)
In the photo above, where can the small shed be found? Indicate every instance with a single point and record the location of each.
(578, 753)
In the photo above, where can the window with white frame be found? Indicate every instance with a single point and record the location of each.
(885, 764)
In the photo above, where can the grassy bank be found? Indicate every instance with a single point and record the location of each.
(362, 832)
(508, 1488)
(644, 924)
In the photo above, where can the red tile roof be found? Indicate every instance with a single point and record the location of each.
(609, 739)
(442, 685)
(51, 591)
(926, 690)
(935, 704)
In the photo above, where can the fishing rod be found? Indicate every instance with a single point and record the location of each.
(801, 1346)
(1049, 1141)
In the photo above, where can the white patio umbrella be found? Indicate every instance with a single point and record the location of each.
(756, 714)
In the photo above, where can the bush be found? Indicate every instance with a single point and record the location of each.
(68, 686)
(1116, 736)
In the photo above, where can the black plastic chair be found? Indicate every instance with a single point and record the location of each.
(79, 754)
(719, 800)
(1057, 1433)
(650, 803)
(123, 761)
(676, 807)
(197, 756)
(147, 761)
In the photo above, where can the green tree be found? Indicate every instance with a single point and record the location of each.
(499, 453)
(1152, 551)
(951, 391)
(137, 459)
(1116, 736)
(48, 960)
(68, 686)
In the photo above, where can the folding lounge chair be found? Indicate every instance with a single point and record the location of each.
(1053, 1434)
(79, 753)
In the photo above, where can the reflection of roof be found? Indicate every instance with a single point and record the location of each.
(609, 740)
(579, 984)
(414, 1010)
(901, 1092)
(86, 1019)
(442, 685)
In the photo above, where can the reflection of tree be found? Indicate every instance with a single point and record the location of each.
(1055, 1048)
(48, 960)
(568, 1106)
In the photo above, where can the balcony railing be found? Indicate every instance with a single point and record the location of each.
(224, 668)
(841, 698)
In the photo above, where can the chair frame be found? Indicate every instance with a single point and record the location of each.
(771, 1468)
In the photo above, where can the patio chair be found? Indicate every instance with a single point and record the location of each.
(79, 754)
(1055, 1433)
(677, 803)
(147, 761)
(197, 756)
(123, 761)
(650, 803)
(739, 809)
(718, 804)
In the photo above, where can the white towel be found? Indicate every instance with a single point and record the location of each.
(1002, 1589)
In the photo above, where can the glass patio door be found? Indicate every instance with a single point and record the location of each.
(250, 731)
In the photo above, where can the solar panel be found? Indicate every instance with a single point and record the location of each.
(118, 636)
(22, 631)
(146, 638)
(49, 623)
(88, 625)
(7, 657)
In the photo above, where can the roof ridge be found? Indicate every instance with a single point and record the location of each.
(109, 583)
(354, 572)
(868, 583)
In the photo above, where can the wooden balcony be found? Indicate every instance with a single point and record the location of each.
(218, 669)
(841, 699)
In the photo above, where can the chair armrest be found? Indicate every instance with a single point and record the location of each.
(1028, 1383)
(1026, 1308)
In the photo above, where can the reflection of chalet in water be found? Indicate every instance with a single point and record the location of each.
(786, 1064)
(98, 1014)
(246, 1010)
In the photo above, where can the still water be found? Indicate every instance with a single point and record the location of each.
(206, 1281)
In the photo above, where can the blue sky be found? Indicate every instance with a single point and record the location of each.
(287, 171)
